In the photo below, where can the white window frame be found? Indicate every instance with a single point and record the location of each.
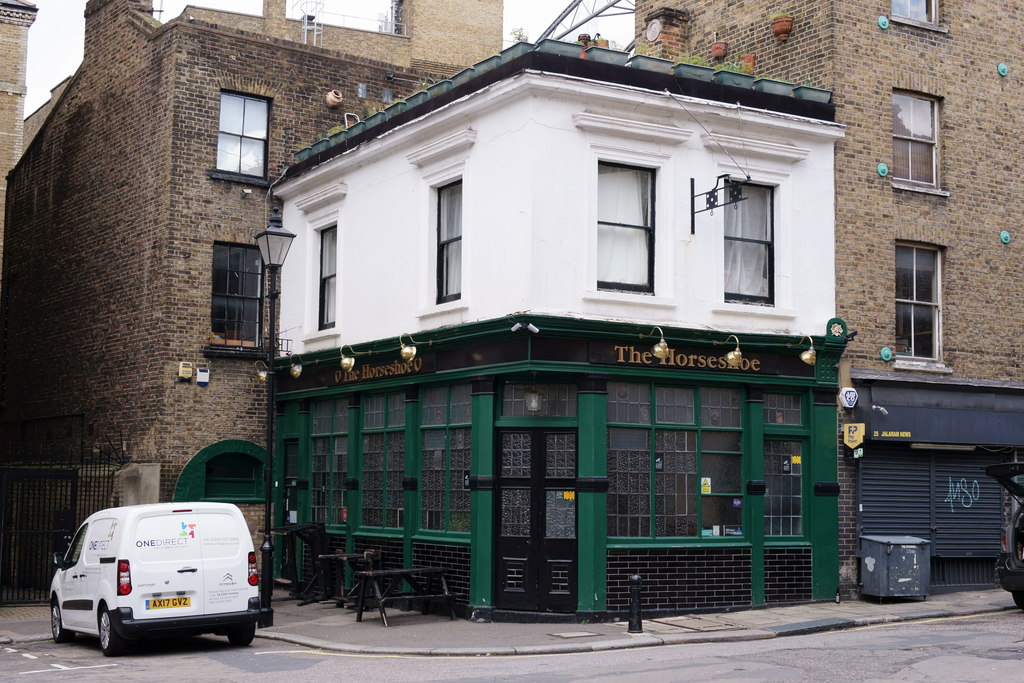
(933, 103)
(243, 136)
(898, 11)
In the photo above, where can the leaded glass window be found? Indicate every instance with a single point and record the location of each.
(674, 461)
(446, 413)
(329, 460)
(383, 459)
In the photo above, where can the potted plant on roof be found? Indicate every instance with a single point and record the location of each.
(812, 93)
(782, 25)
(694, 66)
(774, 86)
(734, 73)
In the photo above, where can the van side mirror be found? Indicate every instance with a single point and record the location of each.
(58, 561)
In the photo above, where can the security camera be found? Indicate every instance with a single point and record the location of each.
(390, 75)
(532, 328)
(517, 327)
(880, 409)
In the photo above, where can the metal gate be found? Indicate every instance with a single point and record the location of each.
(37, 519)
(940, 496)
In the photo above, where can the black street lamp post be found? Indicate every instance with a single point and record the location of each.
(274, 243)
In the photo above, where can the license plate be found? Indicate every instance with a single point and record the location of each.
(164, 603)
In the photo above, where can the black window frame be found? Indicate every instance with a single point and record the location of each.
(446, 246)
(734, 297)
(264, 140)
(325, 313)
(647, 288)
(221, 335)
(935, 304)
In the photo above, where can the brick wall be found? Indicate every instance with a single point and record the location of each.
(441, 36)
(116, 217)
(680, 578)
(787, 574)
(14, 25)
(389, 549)
(455, 561)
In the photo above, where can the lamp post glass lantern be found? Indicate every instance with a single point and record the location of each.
(274, 243)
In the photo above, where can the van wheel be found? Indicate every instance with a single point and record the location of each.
(111, 642)
(242, 635)
(60, 634)
(1018, 597)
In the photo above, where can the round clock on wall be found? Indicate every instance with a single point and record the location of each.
(653, 29)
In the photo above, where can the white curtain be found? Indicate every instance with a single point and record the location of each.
(624, 197)
(746, 263)
(451, 229)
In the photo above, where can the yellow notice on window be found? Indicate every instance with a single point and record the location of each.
(795, 459)
(705, 484)
(568, 495)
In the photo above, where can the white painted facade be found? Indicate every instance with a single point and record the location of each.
(527, 150)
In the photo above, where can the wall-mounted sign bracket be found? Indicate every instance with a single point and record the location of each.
(731, 189)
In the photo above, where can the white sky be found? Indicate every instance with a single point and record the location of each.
(55, 39)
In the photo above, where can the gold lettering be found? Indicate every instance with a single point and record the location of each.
(621, 351)
(634, 355)
(704, 362)
(755, 365)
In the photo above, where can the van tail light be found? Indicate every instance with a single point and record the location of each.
(254, 577)
(1004, 540)
(124, 577)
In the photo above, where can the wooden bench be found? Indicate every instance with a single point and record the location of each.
(387, 585)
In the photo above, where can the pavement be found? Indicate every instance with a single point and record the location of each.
(328, 627)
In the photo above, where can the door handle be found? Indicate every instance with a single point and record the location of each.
(186, 570)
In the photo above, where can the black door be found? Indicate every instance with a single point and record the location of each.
(536, 520)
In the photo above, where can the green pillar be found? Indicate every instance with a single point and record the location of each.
(592, 494)
(481, 482)
(753, 520)
(411, 495)
(824, 512)
(353, 491)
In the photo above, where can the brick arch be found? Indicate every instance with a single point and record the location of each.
(251, 86)
(192, 480)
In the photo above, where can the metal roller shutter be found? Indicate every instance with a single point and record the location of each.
(936, 495)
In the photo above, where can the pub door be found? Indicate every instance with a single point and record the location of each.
(536, 520)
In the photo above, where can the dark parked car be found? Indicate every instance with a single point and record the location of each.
(1010, 565)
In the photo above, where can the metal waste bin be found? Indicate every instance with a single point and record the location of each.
(894, 566)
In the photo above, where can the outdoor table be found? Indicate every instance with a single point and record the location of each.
(327, 587)
(386, 585)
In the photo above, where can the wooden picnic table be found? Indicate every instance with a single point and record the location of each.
(388, 585)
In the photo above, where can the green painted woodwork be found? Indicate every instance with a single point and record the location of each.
(591, 507)
(823, 513)
(191, 483)
(753, 513)
(482, 524)
(413, 457)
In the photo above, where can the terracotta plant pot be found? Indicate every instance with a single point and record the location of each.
(782, 27)
(333, 99)
(748, 60)
(719, 50)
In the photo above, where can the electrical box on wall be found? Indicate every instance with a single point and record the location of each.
(185, 371)
(202, 376)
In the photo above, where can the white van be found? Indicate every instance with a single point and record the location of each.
(150, 570)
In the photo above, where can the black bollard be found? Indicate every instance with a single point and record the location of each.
(636, 624)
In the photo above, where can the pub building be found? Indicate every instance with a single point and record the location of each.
(530, 350)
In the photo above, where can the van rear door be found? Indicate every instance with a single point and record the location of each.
(166, 565)
(225, 544)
